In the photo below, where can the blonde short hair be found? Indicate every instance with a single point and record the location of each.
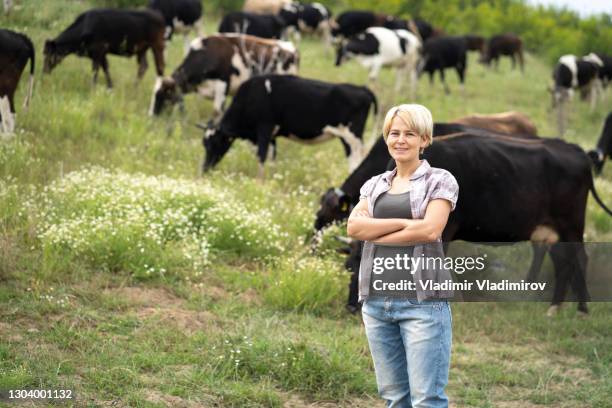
(417, 117)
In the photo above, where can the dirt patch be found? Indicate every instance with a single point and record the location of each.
(157, 397)
(294, 401)
(140, 296)
(188, 321)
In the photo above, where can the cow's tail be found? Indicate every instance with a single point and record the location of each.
(598, 199)
(26, 103)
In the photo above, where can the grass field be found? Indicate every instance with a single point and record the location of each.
(126, 277)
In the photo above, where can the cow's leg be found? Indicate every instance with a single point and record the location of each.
(562, 261)
(142, 64)
(264, 137)
(353, 145)
(220, 91)
(578, 279)
(539, 252)
(104, 65)
(352, 304)
(158, 55)
(513, 61)
(446, 88)
(521, 60)
(400, 72)
(7, 125)
(95, 66)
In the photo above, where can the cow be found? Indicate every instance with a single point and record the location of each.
(181, 16)
(259, 25)
(503, 44)
(304, 110)
(264, 6)
(572, 73)
(217, 65)
(475, 43)
(439, 53)
(605, 71)
(604, 146)
(313, 18)
(15, 51)
(98, 32)
(353, 22)
(518, 181)
(512, 123)
(378, 47)
(337, 203)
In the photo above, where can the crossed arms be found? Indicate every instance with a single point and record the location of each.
(398, 230)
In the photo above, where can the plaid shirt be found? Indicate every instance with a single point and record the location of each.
(426, 183)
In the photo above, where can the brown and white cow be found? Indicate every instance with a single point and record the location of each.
(15, 51)
(513, 123)
(217, 65)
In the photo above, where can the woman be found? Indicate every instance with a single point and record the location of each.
(409, 331)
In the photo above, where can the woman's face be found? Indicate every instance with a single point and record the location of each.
(403, 142)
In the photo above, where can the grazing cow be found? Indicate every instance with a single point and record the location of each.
(259, 25)
(98, 32)
(217, 65)
(301, 109)
(15, 51)
(475, 42)
(503, 44)
(440, 53)
(181, 16)
(605, 71)
(264, 6)
(354, 22)
(378, 47)
(512, 123)
(604, 146)
(313, 18)
(518, 179)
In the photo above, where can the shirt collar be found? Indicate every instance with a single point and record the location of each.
(419, 172)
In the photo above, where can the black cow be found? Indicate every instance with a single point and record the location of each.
(503, 44)
(259, 25)
(180, 15)
(475, 42)
(98, 32)
(519, 182)
(353, 22)
(604, 146)
(440, 53)
(15, 51)
(301, 109)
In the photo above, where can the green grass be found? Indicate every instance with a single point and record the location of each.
(87, 165)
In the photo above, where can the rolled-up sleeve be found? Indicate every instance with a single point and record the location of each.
(447, 188)
(367, 188)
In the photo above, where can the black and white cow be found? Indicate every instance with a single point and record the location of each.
(440, 53)
(15, 51)
(380, 46)
(605, 71)
(217, 65)
(307, 18)
(600, 154)
(98, 32)
(572, 73)
(259, 25)
(181, 16)
(525, 201)
(304, 110)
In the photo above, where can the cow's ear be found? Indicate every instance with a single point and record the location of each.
(344, 203)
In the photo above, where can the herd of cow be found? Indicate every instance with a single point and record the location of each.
(515, 186)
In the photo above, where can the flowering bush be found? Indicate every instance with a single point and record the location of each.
(147, 225)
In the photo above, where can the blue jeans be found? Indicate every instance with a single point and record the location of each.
(410, 342)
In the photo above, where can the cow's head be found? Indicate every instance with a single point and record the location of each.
(335, 206)
(216, 143)
(166, 93)
(342, 54)
(53, 56)
(290, 13)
